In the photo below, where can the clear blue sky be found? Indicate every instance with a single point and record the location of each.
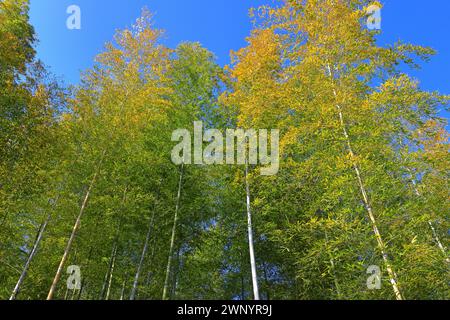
(220, 25)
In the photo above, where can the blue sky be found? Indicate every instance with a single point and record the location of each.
(220, 25)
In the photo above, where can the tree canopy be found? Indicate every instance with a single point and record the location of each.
(87, 180)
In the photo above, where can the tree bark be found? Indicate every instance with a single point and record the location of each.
(30, 258)
(380, 241)
(172, 241)
(72, 238)
(108, 273)
(250, 237)
(122, 293)
(111, 274)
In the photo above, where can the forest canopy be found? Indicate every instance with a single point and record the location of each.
(92, 207)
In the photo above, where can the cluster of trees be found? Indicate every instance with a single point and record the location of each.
(86, 176)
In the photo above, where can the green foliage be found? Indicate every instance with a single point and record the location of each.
(102, 153)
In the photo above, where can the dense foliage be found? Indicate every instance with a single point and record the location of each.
(86, 176)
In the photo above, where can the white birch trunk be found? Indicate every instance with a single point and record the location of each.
(250, 238)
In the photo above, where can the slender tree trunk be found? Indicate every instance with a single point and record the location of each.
(30, 258)
(381, 244)
(111, 274)
(141, 261)
(433, 229)
(124, 285)
(172, 241)
(250, 237)
(108, 273)
(438, 241)
(72, 238)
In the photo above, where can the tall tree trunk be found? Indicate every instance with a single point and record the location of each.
(380, 241)
(141, 261)
(108, 272)
(250, 237)
(122, 293)
(172, 240)
(72, 237)
(438, 241)
(30, 258)
(433, 229)
(111, 274)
